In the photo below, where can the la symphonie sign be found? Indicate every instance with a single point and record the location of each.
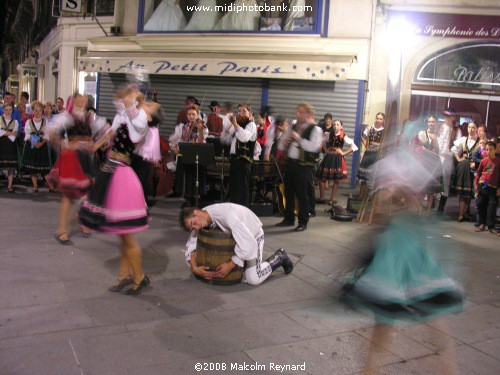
(443, 25)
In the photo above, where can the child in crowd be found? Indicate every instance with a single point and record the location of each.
(486, 184)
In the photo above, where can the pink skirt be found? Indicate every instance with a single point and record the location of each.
(116, 203)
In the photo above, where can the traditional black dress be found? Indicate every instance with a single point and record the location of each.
(333, 166)
(36, 160)
(8, 148)
(462, 183)
(373, 137)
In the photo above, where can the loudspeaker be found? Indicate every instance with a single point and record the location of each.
(262, 209)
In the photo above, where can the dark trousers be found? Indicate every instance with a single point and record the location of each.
(487, 206)
(297, 184)
(240, 171)
(312, 195)
(141, 169)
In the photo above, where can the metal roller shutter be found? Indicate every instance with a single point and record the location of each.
(107, 85)
(340, 98)
(174, 89)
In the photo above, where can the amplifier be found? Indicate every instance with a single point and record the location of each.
(262, 209)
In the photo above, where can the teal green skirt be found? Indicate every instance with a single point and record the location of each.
(403, 283)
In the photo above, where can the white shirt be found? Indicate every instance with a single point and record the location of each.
(14, 130)
(312, 144)
(241, 221)
(444, 139)
(350, 142)
(136, 120)
(248, 134)
(176, 136)
(366, 133)
(27, 129)
(457, 145)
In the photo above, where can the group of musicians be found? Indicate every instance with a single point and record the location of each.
(245, 137)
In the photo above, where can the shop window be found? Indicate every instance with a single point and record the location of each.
(465, 66)
(262, 16)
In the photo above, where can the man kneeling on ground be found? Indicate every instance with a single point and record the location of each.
(248, 234)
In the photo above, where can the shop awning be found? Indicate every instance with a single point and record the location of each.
(326, 68)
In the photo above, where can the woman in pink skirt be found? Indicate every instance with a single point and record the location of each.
(116, 203)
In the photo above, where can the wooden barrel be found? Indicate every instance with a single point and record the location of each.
(215, 247)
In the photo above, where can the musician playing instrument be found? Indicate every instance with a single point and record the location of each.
(302, 143)
(241, 135)
(194, 131)
(214, 120)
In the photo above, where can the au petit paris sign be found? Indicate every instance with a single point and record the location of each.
(310, 70)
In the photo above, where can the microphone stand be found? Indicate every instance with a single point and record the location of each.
(197, 183)
(222, 179)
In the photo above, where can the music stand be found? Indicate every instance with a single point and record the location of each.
(197, 153)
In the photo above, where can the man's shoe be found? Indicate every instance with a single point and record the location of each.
(285, 223)
(286, 262)
(280, 259)
(300, 228)
(312, 214)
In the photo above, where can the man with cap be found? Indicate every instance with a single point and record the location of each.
(214, 120)
(182, 115)
(448, 134)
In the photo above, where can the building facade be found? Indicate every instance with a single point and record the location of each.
(438, 54)
(318, 53)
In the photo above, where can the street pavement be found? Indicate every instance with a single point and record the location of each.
(57, 317)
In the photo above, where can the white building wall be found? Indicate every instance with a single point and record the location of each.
(69, 35)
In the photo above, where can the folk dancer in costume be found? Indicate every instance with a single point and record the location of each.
(182, 115)
(8, 147)
(372, 137)
(37, 156)
(115, 204)
(447, 135)
(426, 143)
(147, 152)
(241, 135)
(302, 143)
(264, 124)
(333, 167)
(274, 133)
(248, 234)
(462, 184)
(71, 174)
(193, 130)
